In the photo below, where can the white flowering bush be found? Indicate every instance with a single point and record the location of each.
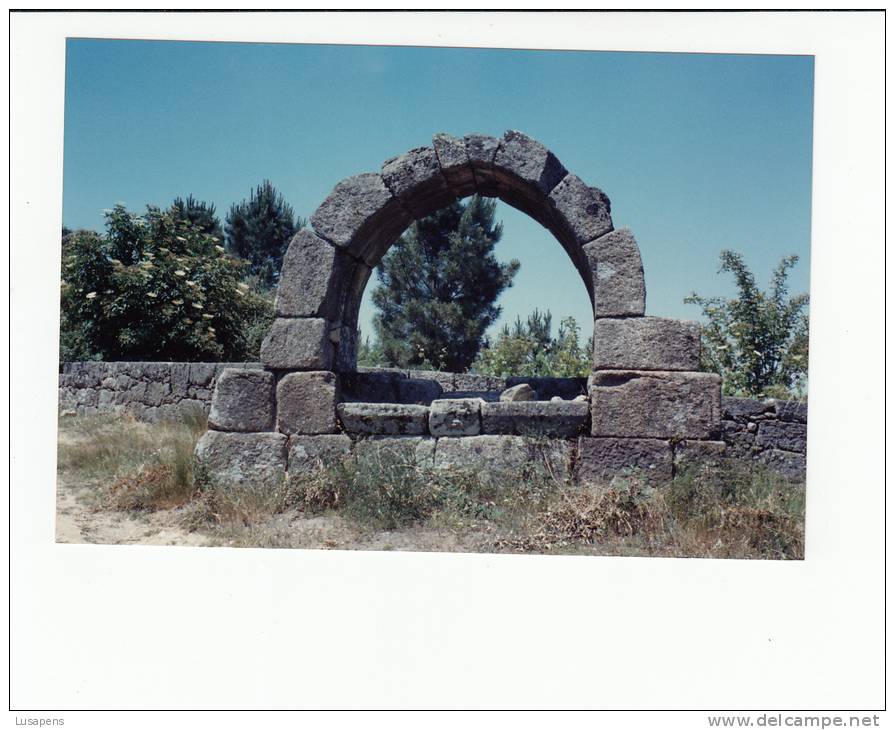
(156, 287)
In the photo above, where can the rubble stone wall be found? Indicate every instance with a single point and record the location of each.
(147, 390)
(443, 419)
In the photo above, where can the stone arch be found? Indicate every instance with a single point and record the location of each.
(646, 407)
(328, 265)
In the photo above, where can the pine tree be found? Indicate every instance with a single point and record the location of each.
(197, 213)
(259, 229)
(438, 286)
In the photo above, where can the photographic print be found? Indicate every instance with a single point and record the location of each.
(435, 299)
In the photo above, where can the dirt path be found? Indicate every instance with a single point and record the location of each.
(78, 522)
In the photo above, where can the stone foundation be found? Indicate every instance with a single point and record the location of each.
(308, 419)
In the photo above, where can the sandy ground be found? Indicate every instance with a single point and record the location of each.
(79, 521)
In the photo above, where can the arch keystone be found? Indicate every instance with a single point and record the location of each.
(526, 171)
(454, 162)
(481, 148)
(415, 178)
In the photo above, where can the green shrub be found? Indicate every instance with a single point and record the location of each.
(156, 287)
(758, 340)
(530, 349)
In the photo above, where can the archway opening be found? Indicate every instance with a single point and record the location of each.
(433, 304)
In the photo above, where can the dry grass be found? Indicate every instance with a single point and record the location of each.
(133, 465)
(382, 500)
(728, 511)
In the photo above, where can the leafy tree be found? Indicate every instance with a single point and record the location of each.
(199, 214)
(369, 354)
(156, 288)
(438, 286)
(259, 229)
(758, 340)
(530, 349)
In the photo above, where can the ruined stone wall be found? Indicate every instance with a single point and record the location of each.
(772, 432)
(154, 390)
(442, 419)
(147, 390)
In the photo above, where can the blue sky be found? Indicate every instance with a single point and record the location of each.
(698, 152)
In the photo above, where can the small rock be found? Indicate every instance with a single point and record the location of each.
(520, 392)
(556, 399)
(579, 399)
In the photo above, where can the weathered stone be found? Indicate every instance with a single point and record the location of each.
(454, 162)
(243, 400)
(418, 450)
(580, 398)
(344, 330)
(190, 408)
(521, 392)
(526, 171)
(600, 460)
(179, 376)
(362, 216)
(617, 275)
(421, 391)
(306, 403)
(384, 418)
(310, 453)
(489, 396)
(580, 212)
(790, 410)
(345, 356)
(202, 373)
(445, 380)
(297, 344)
(371, 387)
(415, 179)
(784, 435)
(455, 417)
(506, 457)
(655, 404)
(480, 149)
(565, 388)
(227, 460)
(739, 437)
(156, 392)
(744, 409)
(786, 463)
(646, 343)
(311, 278)
(695, 455)
(556, 399)
(471, 382)
(541, 418)
(168, 411)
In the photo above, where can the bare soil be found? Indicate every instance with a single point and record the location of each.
(80, 520)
